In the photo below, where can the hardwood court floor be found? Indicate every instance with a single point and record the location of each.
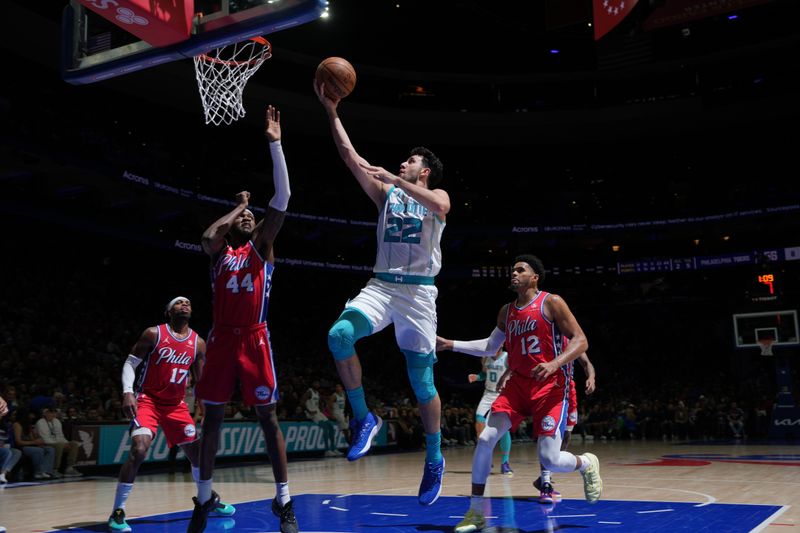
(633, 472)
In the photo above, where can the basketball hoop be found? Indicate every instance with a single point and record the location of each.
(222, 74)
(766, 346)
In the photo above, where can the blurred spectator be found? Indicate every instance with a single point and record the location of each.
(50, 429)
(736, 421)
(32, 445)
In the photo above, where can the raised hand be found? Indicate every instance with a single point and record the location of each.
(273, 129)
(328, 102)
(381, 174)
(243, 198)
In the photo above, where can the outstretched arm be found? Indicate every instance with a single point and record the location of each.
(479, 347)
(270, 225)
(436, 200)
(140, 350)
(214, 237)
(374, 188)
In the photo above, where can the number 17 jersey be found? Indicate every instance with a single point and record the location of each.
(165, 370)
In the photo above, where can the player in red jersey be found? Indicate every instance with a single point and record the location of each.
(532, 328)
(168, 353)
(547, 493)
(242, 260)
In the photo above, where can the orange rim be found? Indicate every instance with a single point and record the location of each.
(266, 54)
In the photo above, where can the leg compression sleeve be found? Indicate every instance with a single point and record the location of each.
(348, 328)
(420, 374)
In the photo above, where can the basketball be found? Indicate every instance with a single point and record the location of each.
(338, 75)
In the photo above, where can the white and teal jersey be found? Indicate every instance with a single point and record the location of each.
(495, 368)
(409, 237)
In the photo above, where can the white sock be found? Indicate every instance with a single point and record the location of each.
(545, 476)
(203, 490)
(584, 464)
(282, 493)
(196, 474)
(476, 503)
(123, 491)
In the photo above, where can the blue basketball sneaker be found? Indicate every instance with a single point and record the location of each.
(222, 508)
(431, 485)
(363, 433)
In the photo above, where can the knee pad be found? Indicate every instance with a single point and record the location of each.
(420, 374)
(350, 326)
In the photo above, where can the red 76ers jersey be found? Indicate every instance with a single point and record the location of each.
(241, 280)
(531, 338)
(166, 368)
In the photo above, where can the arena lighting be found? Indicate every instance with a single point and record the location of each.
(554, 51)
(733, 17)
(615, 247)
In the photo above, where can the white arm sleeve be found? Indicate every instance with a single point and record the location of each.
(129, 372)
(482, 347)
(280, 175)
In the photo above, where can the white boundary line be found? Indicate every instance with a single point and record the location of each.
(774, 515)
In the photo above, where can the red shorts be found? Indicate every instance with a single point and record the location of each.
(239, 353)
(545, 402)
(572, 417)
(173, 418)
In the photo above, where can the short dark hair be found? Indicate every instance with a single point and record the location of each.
(432, 162)
(535, 263)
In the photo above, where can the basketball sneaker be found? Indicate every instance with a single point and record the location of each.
(431, 485)
(548, 495)
(222, 508)
(473, 521)
(505, 469)
(197, 524)
(286, 514)
(117, 523)
(592, 484)
(363, 433)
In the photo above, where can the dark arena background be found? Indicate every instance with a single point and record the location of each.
(653, 170)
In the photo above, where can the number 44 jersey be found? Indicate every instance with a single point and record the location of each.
(241, 280)
(165, 370)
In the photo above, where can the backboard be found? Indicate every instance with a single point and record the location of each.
(781, 326)
(94, 48)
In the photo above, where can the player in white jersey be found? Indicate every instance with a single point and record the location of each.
(493, 374)
(337, 403)
(411, 218)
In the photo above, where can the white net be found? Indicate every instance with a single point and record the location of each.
(222, 74)
(766, 346)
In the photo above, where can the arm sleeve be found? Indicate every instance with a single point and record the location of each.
(129, 372)
(280, 175)
(481, 347)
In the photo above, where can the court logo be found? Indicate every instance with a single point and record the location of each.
(548, 423)
(127, 16)
(189, 430)
(262, 392)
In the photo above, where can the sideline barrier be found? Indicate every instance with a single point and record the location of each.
(110, 444)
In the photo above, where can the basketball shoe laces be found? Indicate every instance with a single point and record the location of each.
(433, 473)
